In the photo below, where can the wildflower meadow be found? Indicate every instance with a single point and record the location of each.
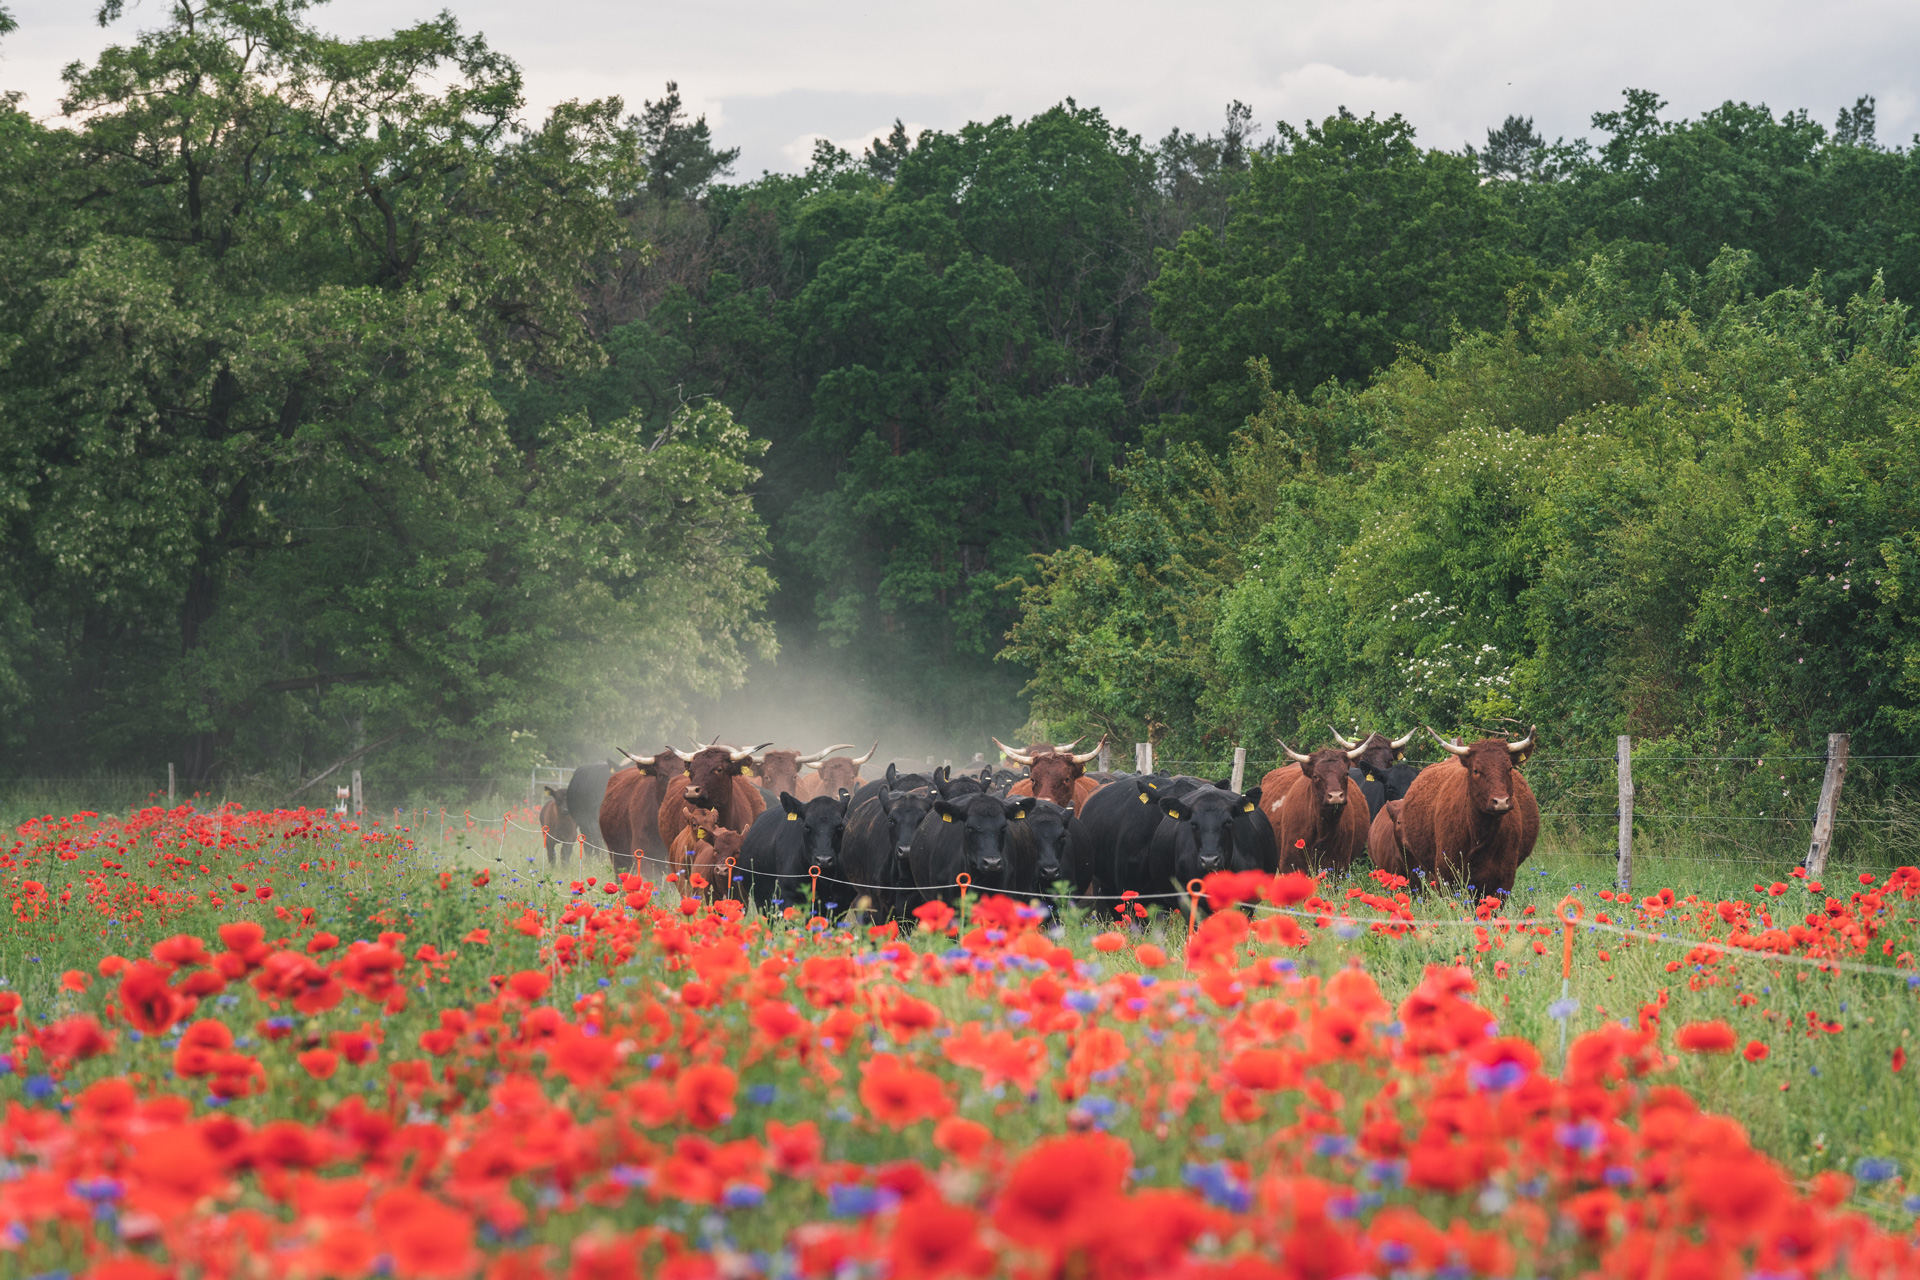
(294, 1044)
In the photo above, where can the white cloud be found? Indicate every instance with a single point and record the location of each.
(768, 73)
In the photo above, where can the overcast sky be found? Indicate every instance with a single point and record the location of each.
(772, 76)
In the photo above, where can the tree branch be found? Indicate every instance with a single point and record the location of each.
(343, 760)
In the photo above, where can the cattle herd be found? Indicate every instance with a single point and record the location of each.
(777, 827)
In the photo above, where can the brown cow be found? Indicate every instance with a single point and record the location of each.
(700, 822)
(714, 780)
(557, 831)
(780, 770)
(841, 773)
(710, 862)
(629, 811)
(1054, 773)
(1314, 826)
(1474, 819)
(1385, 848)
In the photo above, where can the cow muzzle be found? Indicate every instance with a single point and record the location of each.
(1335, 800)
(1502, 803)
(992, 864)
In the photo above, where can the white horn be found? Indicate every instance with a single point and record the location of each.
(1525, 744)
(746, 752)
(860, 760)
(1344, 744)
(1452, 747)
(1089, 757)
(684, 755)
(1353, 752)
(1400, 744)
(642, 761)
(1295, 756)
(1011, 754)
(1066, 748)
(824, 752)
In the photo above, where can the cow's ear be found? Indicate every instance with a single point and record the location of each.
(886, 797)
(793, 807)
(846, 798)
(1250, 800)
(947, 809)
(1017, 807)
(1306, 769)
(1172, 807)
(1225, 784)
(891, 775)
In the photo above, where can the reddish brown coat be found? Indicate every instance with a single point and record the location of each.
(1384, 847)
(1310, 833)
(557, 830)
(1453, 827)
(1056, 776)
(832, 776)
(714, 777)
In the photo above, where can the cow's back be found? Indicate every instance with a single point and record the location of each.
(1273, 797)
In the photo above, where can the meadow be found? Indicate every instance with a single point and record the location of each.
(283, 1043)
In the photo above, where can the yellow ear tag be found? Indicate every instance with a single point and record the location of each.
(1143, 797)
(1019, 814)
(793, 817)
(698, 834)
(946, 817)
(1369, 777)
(1248, 808)
(1175, 813)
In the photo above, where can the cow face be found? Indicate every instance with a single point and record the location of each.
(1203, 842)
(905, 811)
(712, 771)
(1377, 755)
(780, 771)
(1326, 769)
(1489, 765)
(1053, 773)
(701, 821)
(983, 820)
(839, 774)
(1047, 825)
(822, 821)
(967, 784)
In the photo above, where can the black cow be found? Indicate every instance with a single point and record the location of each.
(783, 845)
(1120, 819)
(967, 834)
(1003, 781)
(1207, 829)
(894, 781)
(1049, 846)
(1378, 768)
(876, 852)
(966, 784)
(585, 790)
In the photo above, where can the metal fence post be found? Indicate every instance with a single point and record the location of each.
(1624, 879)
(1239, 769)
(1837, 749)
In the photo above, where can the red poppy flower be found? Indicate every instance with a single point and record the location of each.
(1060, 1193)
(1706, 1037)
(899, 1095)
(933, 1238)
(705, 1095)
(1756, 1051)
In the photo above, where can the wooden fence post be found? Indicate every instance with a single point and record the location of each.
(169, 785)
(1837, 747)
(1624, 879)
(1106, 756)
(1239, 768)
(359, 797)
(1139, 757)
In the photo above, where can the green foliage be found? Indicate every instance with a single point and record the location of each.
(265, 504)
(1347, 244)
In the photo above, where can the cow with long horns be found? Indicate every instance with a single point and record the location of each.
(780, 771)
(1054, 773)
(1472, 819)
(714, 779)
(626, 821)
(1378, 768)
(1314, 824)
(833, 775)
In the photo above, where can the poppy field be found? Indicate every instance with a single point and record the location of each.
(289, 1044)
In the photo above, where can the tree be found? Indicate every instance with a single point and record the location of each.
(1513, 150)
(1348, 243)
(267, 505)
(680, 157)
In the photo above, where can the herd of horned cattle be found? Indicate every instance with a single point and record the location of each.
(746, 823)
